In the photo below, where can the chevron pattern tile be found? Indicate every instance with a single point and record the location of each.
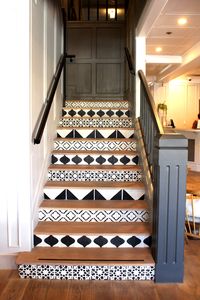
(94, 216)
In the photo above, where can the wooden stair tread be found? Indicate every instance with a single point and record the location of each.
(125, 228)
(88, 204)
(57, 255)
(95, 167)
(94, 184)
(110, 152)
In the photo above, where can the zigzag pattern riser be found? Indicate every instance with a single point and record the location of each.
(94, 194)
(98, 122)
(96, 104)
(92, 175)
(89, 215)
(97, 134)
(92, 241)
(95, 159)
(95, 145)
(87, 272)
(98, 113)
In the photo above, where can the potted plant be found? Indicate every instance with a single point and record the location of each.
(162, 113)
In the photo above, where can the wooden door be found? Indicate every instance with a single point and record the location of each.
(97, 72)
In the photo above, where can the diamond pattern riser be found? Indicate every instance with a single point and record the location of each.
(89, 193)
(95, 145)
(93, 240)
(97, 113)
(95, 133)
(91, 215)
(87, 272)
(95, 159)
(96, 122)
(96, 104)
(94, 175)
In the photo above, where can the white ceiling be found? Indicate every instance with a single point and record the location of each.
(164, 15)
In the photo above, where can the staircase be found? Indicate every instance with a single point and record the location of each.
(78, 237)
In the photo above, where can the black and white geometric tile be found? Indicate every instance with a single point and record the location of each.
(96, 112)
(95, 175)
(95, 133)
(95, 145)
(95, 159)
(96, 104)
(96, 122)
(92, 215)
(140, 240)
(87, 193)
(87, 272)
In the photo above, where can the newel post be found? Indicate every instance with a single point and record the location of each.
(170, 159)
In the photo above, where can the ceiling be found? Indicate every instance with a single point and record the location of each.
(175, 40)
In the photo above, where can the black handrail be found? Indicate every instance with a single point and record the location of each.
(129, 60)
(151, 102)
(49, 100)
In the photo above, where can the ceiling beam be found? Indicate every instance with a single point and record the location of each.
(164, 59)
(190, 60)
(151, 12)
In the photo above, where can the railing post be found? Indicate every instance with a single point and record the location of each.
(170, 157)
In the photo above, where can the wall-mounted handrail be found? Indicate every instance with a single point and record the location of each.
(49, 100)
(129, 60)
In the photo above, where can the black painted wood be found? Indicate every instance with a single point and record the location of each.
(169, 170)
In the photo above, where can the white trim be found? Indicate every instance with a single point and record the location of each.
(7, 261)
(149, 16)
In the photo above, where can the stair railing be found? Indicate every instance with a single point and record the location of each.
(167, 158)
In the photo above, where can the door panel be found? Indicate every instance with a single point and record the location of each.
(108, 78)
(98, 69)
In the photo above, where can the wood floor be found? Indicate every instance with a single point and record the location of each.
(13, 288)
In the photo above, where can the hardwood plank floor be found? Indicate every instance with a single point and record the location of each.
(13, 288)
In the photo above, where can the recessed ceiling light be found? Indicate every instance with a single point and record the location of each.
(158, 49)
(182, 21)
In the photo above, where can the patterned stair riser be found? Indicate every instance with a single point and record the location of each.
(95, 145)
(99, 113)
(87, 272)
(93, 240)
(94, 175)
(96, 104)
(93, 215)
(96, 122)
(95, 159)
(94, 194)
(98, 134)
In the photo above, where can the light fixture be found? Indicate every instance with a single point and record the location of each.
(182, 21)
(111, 13)
(158, 49)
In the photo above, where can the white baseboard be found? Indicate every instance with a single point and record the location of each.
(7, 261)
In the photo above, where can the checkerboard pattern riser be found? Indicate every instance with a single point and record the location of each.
(96, 122)
(96, 104)
(87, 272)
(95, 175)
